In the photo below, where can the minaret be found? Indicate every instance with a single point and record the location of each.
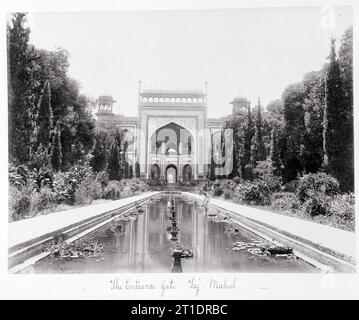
(240, 105)
(105, 115)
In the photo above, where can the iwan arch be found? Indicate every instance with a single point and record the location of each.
(170, 138)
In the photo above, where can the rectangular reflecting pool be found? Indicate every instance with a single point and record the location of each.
(151, 238)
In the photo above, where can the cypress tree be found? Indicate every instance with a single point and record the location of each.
(335, 121)
(113, 164)
(56, 151)
(21, 97)
(345, 58)
(44, 121)
(212, 165)
(99, 159)
(294, 129)
(258, 147)
(248, 136)
(275, 153)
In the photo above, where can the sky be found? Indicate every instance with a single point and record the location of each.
(240, 52)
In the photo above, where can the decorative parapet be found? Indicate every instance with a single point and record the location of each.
(156, 97)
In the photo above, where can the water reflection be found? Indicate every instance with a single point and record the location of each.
(146, 244)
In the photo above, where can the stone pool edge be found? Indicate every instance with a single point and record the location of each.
(323, 257)
(28, 252)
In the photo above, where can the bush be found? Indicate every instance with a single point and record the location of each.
(103, 178)
(256, 192)
(133, 186)
(318, 205)
(65, 184)
(343, 207)
(112, 190)
(19, 203)
(237, 180)
(290, 186)
(218, 188)
(88, 191)
(18, 175)
(264, 172)
(313, 184)
(42, 200)
(286, 201)
(228, 194)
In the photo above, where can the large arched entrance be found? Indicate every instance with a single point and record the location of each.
(171, 174)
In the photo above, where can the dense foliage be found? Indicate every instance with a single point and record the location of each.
(309, 130)
(56, 155)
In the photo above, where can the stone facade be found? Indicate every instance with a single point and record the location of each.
(170, 138)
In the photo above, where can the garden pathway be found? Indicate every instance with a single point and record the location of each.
(28, 229)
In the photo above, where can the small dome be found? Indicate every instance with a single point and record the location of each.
(239, 100)
(106, 98)
(105, 95)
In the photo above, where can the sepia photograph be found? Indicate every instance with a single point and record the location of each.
(188, 141)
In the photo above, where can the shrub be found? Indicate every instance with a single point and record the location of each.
(112, 190)
(256, 192)
(290, 186)
(42, 200)
(318, 205)
(134, 186)
(317, 183)
(65, 184)
(103, 178)
(218, 188)
(19, 203)
(237, 180)
(88, 191)
(264, 172)
(62, 188)
(285, 201)
(18, 175)
(343, 207)
(228, 194)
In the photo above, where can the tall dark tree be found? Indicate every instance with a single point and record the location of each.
(99, 160)
(258, 147)
(313, 118)
(345, 58)
(44, 118)
(335, 122)
(294, 128)
(248, 136)
(113, 164)
(21, 98)
(212, 176)
(56, 149)
(275, 154)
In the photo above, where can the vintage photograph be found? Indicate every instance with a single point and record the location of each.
(181, 141)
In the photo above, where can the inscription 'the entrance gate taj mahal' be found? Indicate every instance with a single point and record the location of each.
(171, 138)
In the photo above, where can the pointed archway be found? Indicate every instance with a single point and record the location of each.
(171, 174)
